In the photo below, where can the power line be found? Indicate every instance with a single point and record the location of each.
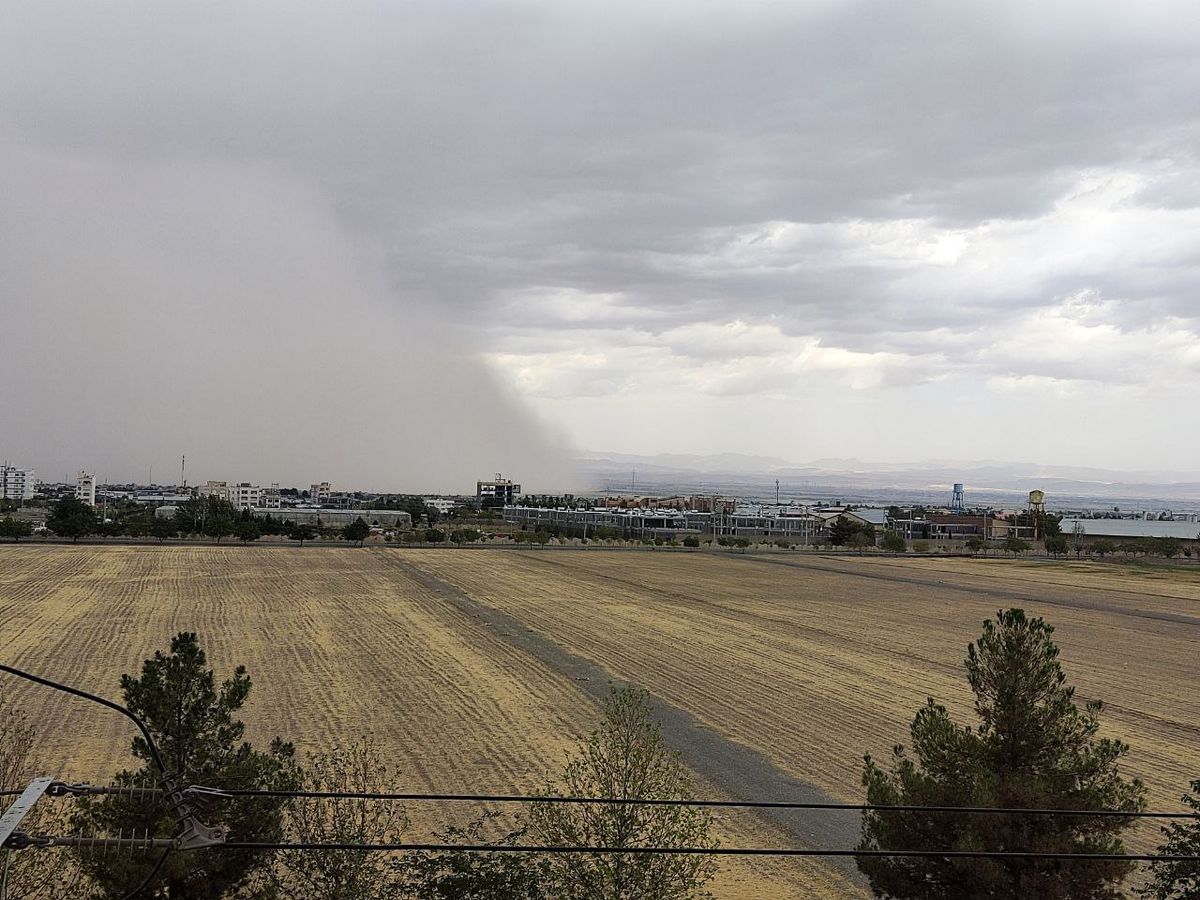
(403, 846)
(76, 692)
(59, 789)
(709, 851)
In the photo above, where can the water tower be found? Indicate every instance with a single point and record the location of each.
(1037, 512)
(958, 501)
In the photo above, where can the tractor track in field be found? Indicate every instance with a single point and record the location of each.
(1017, 594)
(733, 768)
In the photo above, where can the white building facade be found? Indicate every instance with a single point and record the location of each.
(17, 484)
(245, 495)
(85, 488)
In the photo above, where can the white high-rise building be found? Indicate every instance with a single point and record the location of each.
(85, 488)
(319, 493)
(17, 484)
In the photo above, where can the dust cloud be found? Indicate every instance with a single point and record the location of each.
(224, 311)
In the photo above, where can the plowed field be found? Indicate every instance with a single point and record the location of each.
(478, 669)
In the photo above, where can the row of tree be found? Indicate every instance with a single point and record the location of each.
(210, 517)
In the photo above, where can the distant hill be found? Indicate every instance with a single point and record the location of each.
(736, 472)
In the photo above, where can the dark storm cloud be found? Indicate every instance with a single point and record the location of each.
(916, 181)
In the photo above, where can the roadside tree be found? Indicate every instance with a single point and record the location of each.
(625, 757)
(1056, 545)
(301, 532)
(357, 531)
(246, 532)
(15, 529)
(465, 535)
(163, 529)
(842, 531)
(1032, 749)
(73, 518)
(1014, 545)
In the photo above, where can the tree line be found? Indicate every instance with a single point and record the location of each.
(1031, 745)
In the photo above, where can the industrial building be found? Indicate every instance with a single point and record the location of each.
(390, 518)
(791, 523)
(638, 522)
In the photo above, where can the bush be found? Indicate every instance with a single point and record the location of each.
(691, 541)
(625, 757)
(920, 546)
(894, 542)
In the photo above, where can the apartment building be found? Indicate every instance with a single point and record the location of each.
(17, 484)
(85, 488)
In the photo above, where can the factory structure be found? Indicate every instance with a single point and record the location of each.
(796, 523)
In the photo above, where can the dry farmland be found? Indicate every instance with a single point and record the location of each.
(478, 669)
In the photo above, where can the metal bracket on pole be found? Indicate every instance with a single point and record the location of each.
(20, 809)
(12, 818)
(192, 834)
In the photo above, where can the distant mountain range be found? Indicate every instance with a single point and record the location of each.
(740, 473)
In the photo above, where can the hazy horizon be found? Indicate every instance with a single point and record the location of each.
(416, 245)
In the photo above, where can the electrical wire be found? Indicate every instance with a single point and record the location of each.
(635, 801)
(709, 851)
(132, 895)
(146, 735)
(734, 804)
(76, 692)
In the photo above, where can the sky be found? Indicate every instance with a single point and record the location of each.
(403, 246)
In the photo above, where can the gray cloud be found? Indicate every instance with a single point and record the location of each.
(902, 190)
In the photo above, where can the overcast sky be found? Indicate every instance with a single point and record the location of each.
(406, 245)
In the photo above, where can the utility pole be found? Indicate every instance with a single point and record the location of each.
(776, 491)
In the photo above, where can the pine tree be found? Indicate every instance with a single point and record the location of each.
(201, 742)
(1033, 748)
